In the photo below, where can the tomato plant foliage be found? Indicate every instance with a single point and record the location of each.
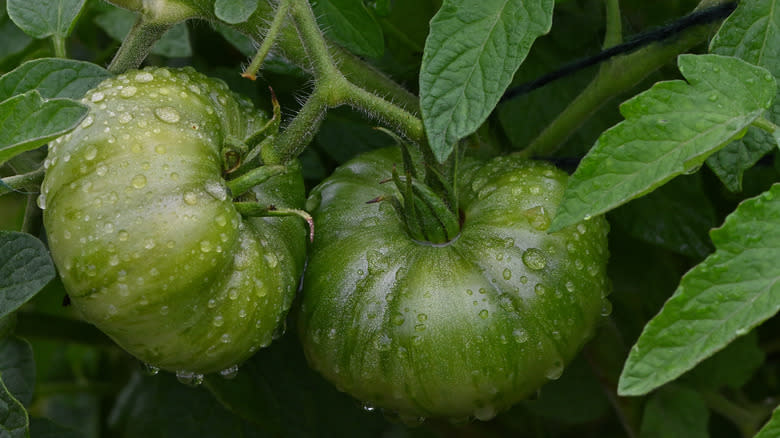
(437, 282)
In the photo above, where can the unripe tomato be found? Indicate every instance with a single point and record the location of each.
(144, 232)
(456, 330)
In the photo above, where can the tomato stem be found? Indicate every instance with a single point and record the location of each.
(258, 175)
(250, 72)
(137, 44)
(254, 209)
(26, 183)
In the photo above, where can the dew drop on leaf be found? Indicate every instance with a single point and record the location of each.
(555, 371)
(189, 378)
(151, 369)
(167, 114)
(534, 259)
(229, 373)
(138, 181)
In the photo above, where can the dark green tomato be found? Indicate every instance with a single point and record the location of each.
(144, 232)
(462, 329)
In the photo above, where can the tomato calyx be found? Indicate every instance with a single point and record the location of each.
(426, 200)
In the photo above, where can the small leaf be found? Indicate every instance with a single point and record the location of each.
(18, 368)
(670, 129)
(675, 412)
(174, 44)
(348, 23)
(43, 19)
(15, 422)
(731, 162)
(676, 217)
(52, 78)
(471, 53)
(14, 39)
(234, 11)
(27, 122)
(725, 296)
(751, 33)
(25, 268)
(772, 428)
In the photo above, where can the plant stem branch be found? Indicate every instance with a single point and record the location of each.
(60, 50)
(137, 44)
(616, 76)
(268, 42)
(614, 33)
(766, 125)
(747, 421)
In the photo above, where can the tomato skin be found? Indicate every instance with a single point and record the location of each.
(143, 229)
(464, 329)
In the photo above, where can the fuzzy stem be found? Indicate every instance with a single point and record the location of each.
(614, 33)
(137, 44)
(297, 135)
(268, 42)
(615, 77)
(243, 183)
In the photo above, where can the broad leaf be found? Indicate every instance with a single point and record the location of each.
(27, 122)
(348, 23)
(725, 296)
(25, 268)
(677, 217)
(234, 11)
(675, 412)
(14, 39)
(13, 417)
(731, 367)
(670, 129)
(471, 53)
(174, 44)
(52, 78)
(751, 33)
(18, 368)
(42, 19)
(772, 428)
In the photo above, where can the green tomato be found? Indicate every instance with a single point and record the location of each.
(144, 232)
(455, 330)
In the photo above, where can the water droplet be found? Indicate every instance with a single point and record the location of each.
(225, 338)
(271, 259)
(229, 373)
(190, 198)
(144, 76)
(128, 91)
(218, 321)
(539, 289)
(520, 336)
(555, 371)
(712, 97)
(41, 201)
(570, 286)
(151, 369)
(97, 96)
(221, 220)
(188, 377)
(537, 217)
(138, 181)
(398, 319)
(484, 313)
(164, 310)
(507, 274)
(217, 190)
(212, 303)
(485, 413)
(88, 121)
(741, 331)
(123, 235)
(90, 153)
(205, 246)
(233, 293)
(534, 259)
(368, 407)
(606, 307)
(167, 114)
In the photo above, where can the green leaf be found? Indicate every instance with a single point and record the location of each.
(27, 122)
(13, 417)
(670, 129)
(731, 162)
(234, 11)
(675, 411)
(52, 78)
(772, 428)
(471, 53)
(18, 368)
(14, 39)
(348, 23)
(43, 19)
(722, 298)
(751, 33)
(731, 367)
(174, 44)
(677, 217)
(25, 268)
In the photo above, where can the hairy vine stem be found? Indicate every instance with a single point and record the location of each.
(615, 76)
